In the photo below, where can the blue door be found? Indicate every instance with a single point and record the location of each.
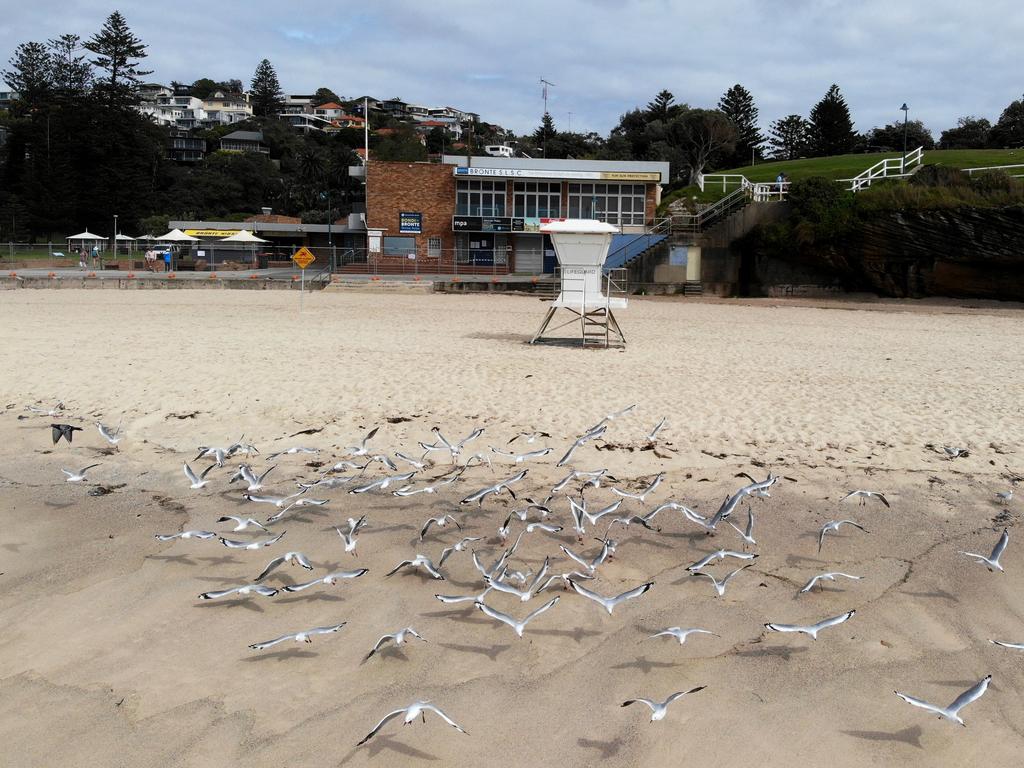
(550, 260)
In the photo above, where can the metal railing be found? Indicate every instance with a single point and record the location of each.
(695, 223)
(1020, 166)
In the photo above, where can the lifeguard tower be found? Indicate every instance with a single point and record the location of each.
(581, 246)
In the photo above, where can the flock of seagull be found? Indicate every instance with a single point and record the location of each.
(565, 506)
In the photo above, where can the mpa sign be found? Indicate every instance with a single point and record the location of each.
(303, 258)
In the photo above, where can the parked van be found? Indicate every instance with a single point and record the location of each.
(499, 150)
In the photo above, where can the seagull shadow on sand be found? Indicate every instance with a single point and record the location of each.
(180, 559)
(608, 749)
(219, 560)
(385, 653)
(249, 605)
(58, 505)
(305, 597)
(13, 546)
(382, 742)
(577, 634)
(389, 528)
(470, 585)
(939, 594)
(911, 736)
(285, 655)
(491, 653)
(794, 560)
(781, 651)
(646, 665)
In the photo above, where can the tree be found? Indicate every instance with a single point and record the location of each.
(203, 87)
(662, 107)
(400, 143)
(738, 105)
(265, 91)
(970, 133)
(1009, 130)
(325, 96)
(789, 137)
(117, 52)
(72, 73)
(891, 136)
(702, 134)
(544, 133)
(30, 75)
(831, 126)
(437, 140)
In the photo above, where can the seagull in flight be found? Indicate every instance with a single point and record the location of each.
(350, 538)
(397, 638)
(519, 458)
(607, 550)
(1004, 644)
(642, 495)
(833, 526)
(197, 481)
(992, 561)
(67, 431)
(79, 476)
(952, 712)
(414, 710)
(811, 629)
(383, 483)
(278, 501)
(863, 496)
(306, 636)
(253, 545)
(291, 558)
(51, 412)
(720, 554)
(592, 434)
(292, 451)
(609, 603)
(652, 436)
(660, 708)
(1005, 496)
(420, 561)
(185, 535)
(594, 479)
(503, 485)
(414, 463)
(330, 579)
(720, 585)
(440, 522)
(445, 444)
(524, 595)
(681, 634)
(530, 437)
(244, 591)
(112, 436)
(517, 626)
(748, 534)
(459, 546)
(409, 490)
(830, 576)
(253, 481)
(241, 523)
(361, 449)
(614, 415)
(219, 455)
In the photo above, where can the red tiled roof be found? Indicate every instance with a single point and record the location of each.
(330, 105)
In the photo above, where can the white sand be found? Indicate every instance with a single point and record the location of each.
(109, 658)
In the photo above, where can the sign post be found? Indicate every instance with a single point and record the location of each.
(303, 258)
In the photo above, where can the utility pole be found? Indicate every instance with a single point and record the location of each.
(903, 162)
(570, 122)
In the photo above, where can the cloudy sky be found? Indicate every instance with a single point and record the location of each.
(945, 58)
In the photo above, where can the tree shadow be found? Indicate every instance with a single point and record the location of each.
(608, 749)
(645, 665)
(284, 655)
(491, 653)
(911, 736)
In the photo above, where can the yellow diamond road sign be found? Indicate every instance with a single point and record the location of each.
(303, 258)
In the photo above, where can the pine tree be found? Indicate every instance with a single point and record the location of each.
(1009, 130)
(789, 137)
(545, 132)
(831, 126)
(72, 74)
(117, 52)
(738, 105)
(265, 90)
(662, 107)
(325, 96)
(30, 75)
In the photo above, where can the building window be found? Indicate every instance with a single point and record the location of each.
(482, 250)
(434, 247)
(480, 198)
(537, 199)
(399, 246)
(614, 203)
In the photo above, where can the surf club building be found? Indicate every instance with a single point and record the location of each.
(486, 212)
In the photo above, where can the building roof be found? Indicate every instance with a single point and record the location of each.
(273, 218)
(541, 164)
(330, 105)
(245, 136)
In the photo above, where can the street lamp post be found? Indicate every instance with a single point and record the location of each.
(115, 237)
(903, 163)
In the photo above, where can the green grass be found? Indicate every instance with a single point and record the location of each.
(846, 167)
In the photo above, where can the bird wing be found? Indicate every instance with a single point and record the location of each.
(853, 523)
(630, 594)
(572, 555)
(399, 566)
(588, 594)
(920, 703)
(648, 702)
(810, 584)
(83, 470)
(232, 544)
(213, 595)
(680, 694)
(501, 586)
(996, 552)
(785, 627)
(530, 617)
(304, 585)
(494, 614)
(733, 573)
(193, 478)
(881, 498)
(265, 591)
(702, 562)
(377, 645)
(303, 561)
(973, 693)
(384, 721)
(540, 575)
(833, 621)
(207, 471)
(325, 630)
(270, 566)
(426, 527)
(431, 569)
(441, 714)
(275, 641)
(821, 535)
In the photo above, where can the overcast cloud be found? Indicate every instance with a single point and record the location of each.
(944, 58)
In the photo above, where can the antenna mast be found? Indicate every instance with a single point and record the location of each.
(544, 134)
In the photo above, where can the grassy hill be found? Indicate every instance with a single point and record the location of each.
(848, 166)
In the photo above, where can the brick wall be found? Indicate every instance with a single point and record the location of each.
(428, 188)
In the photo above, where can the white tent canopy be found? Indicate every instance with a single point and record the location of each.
(243, 236)
(177, 236)
(87, 235)
(125, 238)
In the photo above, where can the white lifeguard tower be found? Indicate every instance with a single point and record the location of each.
(581, 246)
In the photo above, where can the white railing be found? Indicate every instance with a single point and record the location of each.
(972, 171)
(726, 180)
(890, 168)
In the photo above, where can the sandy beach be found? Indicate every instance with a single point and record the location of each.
(110, 658)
